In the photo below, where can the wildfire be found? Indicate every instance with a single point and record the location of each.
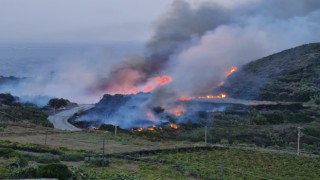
(127, 89)
(177, 111)
(152, 128)
(163, 80)
(155, 82)
(220, 96)
(232, 70)
(173, 126)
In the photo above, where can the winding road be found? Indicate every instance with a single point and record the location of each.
(60, 120)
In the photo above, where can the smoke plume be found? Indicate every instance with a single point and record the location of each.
(196, 43)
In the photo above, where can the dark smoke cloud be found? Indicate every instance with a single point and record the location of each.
(176, 27)
(196, 44)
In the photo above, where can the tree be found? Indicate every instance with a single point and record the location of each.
(7, 99)
(57, 103)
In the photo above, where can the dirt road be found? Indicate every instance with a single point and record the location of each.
(60, 120)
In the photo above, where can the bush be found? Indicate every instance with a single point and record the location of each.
(275, 118)
(57, 103)
(80, 174)
(4, 173)
(72, 157)
(55, 170)
(259, 119)
(47, 159)
(7, 99)
(299, 118)
(28, 172)
(122, 176)
(17, 162)
(7, 153)
(15, 159)
(312, 132)
(97, 162)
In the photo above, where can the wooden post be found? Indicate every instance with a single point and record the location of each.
(299, 136)
(45, 140)
(205, 135)
(222, 169)
(103, 147)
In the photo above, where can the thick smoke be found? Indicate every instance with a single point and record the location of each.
(61, 71)
(194, 43)
(197, 43)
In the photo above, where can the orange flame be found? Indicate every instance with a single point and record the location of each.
(152, 128)
(163, 80)
(155, 82)
(220, 96)
(140, 129)
(232, 70)
(185, 98)
(127, 89)
(177, 111)
(173, 126)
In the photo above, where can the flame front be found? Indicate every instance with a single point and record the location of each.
(173, 126)
(232, 70)
(177, 111)
(127, 89)
(220, 96)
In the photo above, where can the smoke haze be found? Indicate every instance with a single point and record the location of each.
(194, 42)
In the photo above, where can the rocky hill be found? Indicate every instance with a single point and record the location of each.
(290, 75)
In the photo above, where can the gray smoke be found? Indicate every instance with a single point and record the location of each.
(196, 43)
(234, 36)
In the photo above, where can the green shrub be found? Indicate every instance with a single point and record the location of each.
(275, 118)
(72, 157)
(47, 159)
(312, 132)
(28, 172)
(30, 157)
(55, 170)
(259, 119)
(80, 174)
(7, 153)
(299, 118)
(4, 173)
(17, 161)
(122, 176)
(57, 103)
(97, 162)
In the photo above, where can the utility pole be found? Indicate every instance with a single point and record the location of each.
(205, 134)
(299, 136)
(115, 130)
(45, 140)
(103, 146)
(222, 169)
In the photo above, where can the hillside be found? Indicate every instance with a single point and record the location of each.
(290, 75)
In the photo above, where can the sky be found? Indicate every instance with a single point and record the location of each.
(82, 21)
(204, 38)
(77, 20)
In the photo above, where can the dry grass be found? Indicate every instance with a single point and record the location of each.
(90, 141)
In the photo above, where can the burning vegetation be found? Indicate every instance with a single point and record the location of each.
(220, 96)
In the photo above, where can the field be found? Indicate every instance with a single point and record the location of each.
(135, 157)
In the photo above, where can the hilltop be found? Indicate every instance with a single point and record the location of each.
(290, 75)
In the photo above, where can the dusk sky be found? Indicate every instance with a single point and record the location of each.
(93, 21)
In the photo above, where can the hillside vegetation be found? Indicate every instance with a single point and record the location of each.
(291, 75)
(13, 112)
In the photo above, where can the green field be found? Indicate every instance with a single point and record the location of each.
(177, 163)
